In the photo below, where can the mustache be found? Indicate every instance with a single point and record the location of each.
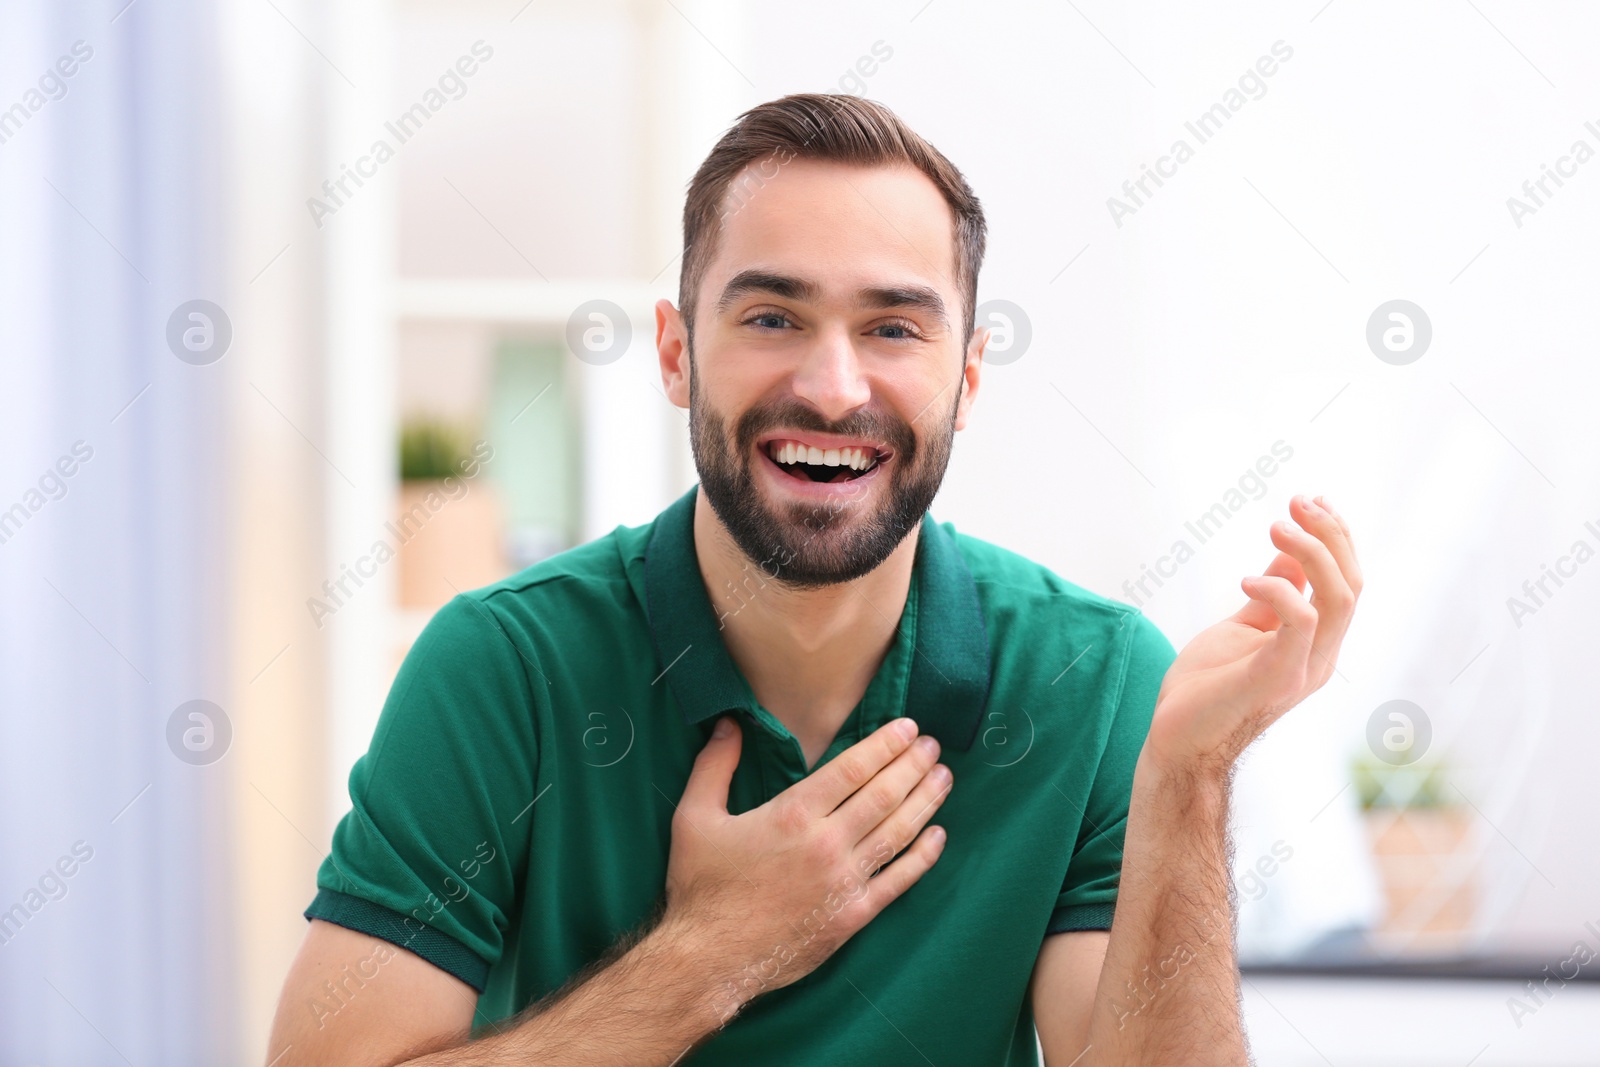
(792, 415)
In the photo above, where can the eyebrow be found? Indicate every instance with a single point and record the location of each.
(763, 281)
(790, 287)
(920, 297)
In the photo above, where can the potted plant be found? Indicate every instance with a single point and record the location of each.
(447, 526)
(1423, 843)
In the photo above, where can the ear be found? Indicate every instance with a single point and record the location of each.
(672, 349)
(972, 375)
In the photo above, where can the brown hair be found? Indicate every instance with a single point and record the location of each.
(835, 127)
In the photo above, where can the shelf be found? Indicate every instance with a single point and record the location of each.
(527, 303)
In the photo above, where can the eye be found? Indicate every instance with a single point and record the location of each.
(767, 320)
(901, 330)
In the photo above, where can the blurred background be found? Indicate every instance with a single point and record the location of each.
(271, 269)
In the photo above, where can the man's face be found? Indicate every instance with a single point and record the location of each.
(826, 378)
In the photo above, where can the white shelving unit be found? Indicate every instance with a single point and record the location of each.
(633, 457)
(633, 451)
(514, 302)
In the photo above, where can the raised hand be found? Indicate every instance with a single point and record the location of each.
(1238, 677)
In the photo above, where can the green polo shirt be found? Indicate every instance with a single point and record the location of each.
(512, 817)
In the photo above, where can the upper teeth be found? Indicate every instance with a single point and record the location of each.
(794, 452)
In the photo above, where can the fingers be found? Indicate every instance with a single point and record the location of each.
(707, 789)
(1258, 613)
(1288, 607)
(1285, 656)
(1343, 545)
(1322, 572)
(1317, 544)
(906, 820)
(1287, 567)
(1318, 551)
(903, 873)
(822, 792)
(868, 806)
(1334, 534)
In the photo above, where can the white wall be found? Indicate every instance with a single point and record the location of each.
(1170, 352)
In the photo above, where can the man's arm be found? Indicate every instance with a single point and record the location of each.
(652, 1000)
(737, 885)
(1168, 991)
(397, 1004)
(1062, 993)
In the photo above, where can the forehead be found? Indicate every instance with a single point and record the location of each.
(842, 226)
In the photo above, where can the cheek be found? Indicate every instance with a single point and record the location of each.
(907, 387)
(732, 381)
(925, 395)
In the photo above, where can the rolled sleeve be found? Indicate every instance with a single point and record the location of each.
(432, 853)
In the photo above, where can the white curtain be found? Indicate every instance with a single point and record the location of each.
(111, 577)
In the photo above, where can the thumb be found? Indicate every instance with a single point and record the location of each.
(708, 786)
(713, 768)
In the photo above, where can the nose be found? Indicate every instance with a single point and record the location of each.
(831, 377)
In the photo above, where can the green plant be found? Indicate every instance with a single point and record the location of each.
(1422, 784)
(430, 449)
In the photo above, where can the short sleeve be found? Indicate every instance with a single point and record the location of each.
(1089, 892)
(431, 854)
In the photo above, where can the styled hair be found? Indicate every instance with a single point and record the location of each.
(833, 127)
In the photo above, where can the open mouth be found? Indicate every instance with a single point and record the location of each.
(808, 462)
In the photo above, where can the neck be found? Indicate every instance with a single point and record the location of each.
(808, 653)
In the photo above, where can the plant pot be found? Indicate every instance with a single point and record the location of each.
(1427, 861)
(447, 544)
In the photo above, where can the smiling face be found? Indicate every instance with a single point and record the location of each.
(827, 377)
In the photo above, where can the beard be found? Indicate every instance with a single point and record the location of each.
(812, 545)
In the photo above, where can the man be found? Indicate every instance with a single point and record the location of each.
(670, 797)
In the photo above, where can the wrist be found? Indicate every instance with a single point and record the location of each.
(683, 951)
(1204, 783)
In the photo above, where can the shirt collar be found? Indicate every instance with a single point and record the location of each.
(949, 680)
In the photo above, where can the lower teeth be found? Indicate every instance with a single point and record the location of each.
(817, 473)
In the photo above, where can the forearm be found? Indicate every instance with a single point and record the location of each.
(1169, 989)
(646, 1006)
